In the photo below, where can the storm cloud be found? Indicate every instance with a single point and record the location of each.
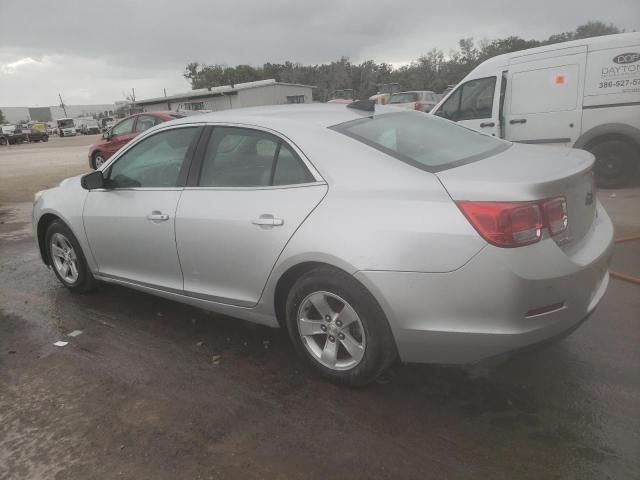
(92, 52)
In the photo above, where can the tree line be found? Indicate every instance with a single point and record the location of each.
(431, 71)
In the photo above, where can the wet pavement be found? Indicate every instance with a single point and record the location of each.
(155, 389)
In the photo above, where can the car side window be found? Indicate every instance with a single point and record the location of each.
(145, 122)
(472, 100)
(155, 162)
(289, 169)
(240, 157)
(450, 107)
(123, 128)
(477, 99)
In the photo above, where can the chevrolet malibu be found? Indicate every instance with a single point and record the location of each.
(369, 233)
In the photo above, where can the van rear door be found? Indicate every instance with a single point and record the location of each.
(543, 99)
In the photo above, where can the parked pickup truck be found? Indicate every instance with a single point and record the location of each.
(12, 134)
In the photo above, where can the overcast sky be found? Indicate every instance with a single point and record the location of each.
(93, 51)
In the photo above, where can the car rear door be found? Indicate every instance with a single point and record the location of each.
(543, 98)
(248, 192)
(130, 224)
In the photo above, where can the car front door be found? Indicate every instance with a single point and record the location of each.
(130, 224)
(121, 134)
(474, 104)
(249, 194)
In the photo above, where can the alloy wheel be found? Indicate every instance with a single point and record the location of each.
(99, 160)
(64, 257)
(331, 331)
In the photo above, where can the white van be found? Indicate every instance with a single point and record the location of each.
(582, 94)
(66, 127)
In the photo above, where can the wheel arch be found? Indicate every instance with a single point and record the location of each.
(291, 275)
(286, 281)
(43, 224)
(607, 131)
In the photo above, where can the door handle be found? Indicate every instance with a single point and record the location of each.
(487, 124)
(518, 120)
(157, 216)
(268, 221)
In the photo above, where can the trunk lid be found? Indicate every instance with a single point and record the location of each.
(530, 172)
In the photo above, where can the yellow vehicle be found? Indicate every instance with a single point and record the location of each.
(38, 132)
(40, 127)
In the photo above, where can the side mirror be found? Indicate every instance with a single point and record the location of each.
(93, 180)
(106, 134)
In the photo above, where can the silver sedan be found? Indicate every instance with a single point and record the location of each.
(370, 234)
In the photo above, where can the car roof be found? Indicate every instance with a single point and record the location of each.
(320, 114)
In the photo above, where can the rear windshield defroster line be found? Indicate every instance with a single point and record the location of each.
(423, 141)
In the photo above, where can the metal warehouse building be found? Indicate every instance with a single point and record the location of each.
(250, 94)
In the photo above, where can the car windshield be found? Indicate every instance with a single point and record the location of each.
(65, 123)
(424, 141)
(406, 97)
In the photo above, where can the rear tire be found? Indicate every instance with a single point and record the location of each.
(67, 259)
(364, 330)
(616, 162)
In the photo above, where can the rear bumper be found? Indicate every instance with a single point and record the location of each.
(484, 309)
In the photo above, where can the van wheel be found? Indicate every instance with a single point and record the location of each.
(338, 326)
(615, 162)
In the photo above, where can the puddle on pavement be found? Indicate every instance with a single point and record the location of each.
(15, 221)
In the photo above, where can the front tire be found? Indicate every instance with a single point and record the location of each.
(98, 160)
(67, 260)
(616, 160)
(338, 326)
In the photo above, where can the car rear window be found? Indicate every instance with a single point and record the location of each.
(404, 97)
(424, 141)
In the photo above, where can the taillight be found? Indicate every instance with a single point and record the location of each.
(555, 212)
(505, 224)
(516, 224)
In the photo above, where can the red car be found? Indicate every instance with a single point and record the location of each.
(123, 132)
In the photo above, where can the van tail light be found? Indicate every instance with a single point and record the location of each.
(516, 224)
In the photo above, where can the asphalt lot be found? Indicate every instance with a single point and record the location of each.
(155, 389)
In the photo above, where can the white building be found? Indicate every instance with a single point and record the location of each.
(250, 94)
(45, 114)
